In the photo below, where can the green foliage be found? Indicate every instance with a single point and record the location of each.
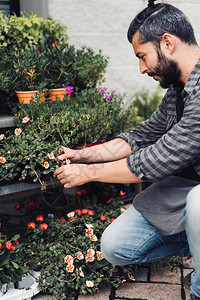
(26, 31)
(68, 252)
(88, 117)
(146, 103)
(11, 266)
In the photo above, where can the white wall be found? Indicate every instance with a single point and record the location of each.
(103, 24)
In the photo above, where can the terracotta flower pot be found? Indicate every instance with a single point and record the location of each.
(56, 94)
(25, 97)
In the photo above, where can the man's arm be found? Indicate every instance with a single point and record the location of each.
(113, 150)
(111, 172)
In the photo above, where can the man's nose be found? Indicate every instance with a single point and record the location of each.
(143, 67)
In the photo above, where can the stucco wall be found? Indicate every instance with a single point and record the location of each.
(102, 24)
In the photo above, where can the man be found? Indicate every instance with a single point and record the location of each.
(164, 218)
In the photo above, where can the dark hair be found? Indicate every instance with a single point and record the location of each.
(157, 19)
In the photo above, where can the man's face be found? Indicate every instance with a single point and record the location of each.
(154, 62)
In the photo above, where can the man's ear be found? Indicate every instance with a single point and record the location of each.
(167, 43)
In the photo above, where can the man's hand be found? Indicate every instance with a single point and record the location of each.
(66, 153)
(73, 175)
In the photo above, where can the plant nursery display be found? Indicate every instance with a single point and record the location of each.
(66, 249)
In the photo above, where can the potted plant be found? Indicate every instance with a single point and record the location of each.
(11, 266)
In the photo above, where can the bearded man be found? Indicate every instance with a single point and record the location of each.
(164, 218)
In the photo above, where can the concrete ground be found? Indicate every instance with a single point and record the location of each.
(150, 283)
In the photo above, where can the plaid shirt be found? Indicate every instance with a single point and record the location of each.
(161, 146)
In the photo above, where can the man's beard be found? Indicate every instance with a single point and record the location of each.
(168, 70)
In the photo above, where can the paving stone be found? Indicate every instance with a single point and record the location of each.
(151, 291)
(164, 274)
(140, 274)
(103, 294)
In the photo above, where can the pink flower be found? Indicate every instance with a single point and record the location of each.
(70, 268)
(108, 97)
(46, 164)
(25, 120)
(18, 131)
(69, 90)
(2, 160)
(113, 91)
(89, 283)
(103, 90)
(69, 259)
(2, 136)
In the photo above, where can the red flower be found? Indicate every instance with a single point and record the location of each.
(112, 220)
(13, 248)
(1, 246)
(90, 212)
(8, 245)
(78, 211)
(16, 242)
(84, 191)
(18, 206)
(39, 218)
(122, 193)
(84, 211)
(43, 226)
(103, 218)
(31, 225)
(31, 204)
(62, 220)
(78, 193)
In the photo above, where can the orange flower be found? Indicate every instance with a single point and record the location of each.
(90, 212)
(2, 160)
(93, 238)
(103, 218)
(89, 258)
(70, 268)
(69, 259)
(8, 245)
(46, 164)
(39, 218)
(84, 211)
(90, 252)
(89, 231)
(112, 220)
(18, 131)
(51, 155)
(25, 120)
(89, 283)
(1, 246)
(2, 136)
(43, 226)
(122, 193)
(13, 248)
(31, 225)
(78, 211)
(79, 255)
(99, 255)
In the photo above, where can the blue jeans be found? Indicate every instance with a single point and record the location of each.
(131, 239)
